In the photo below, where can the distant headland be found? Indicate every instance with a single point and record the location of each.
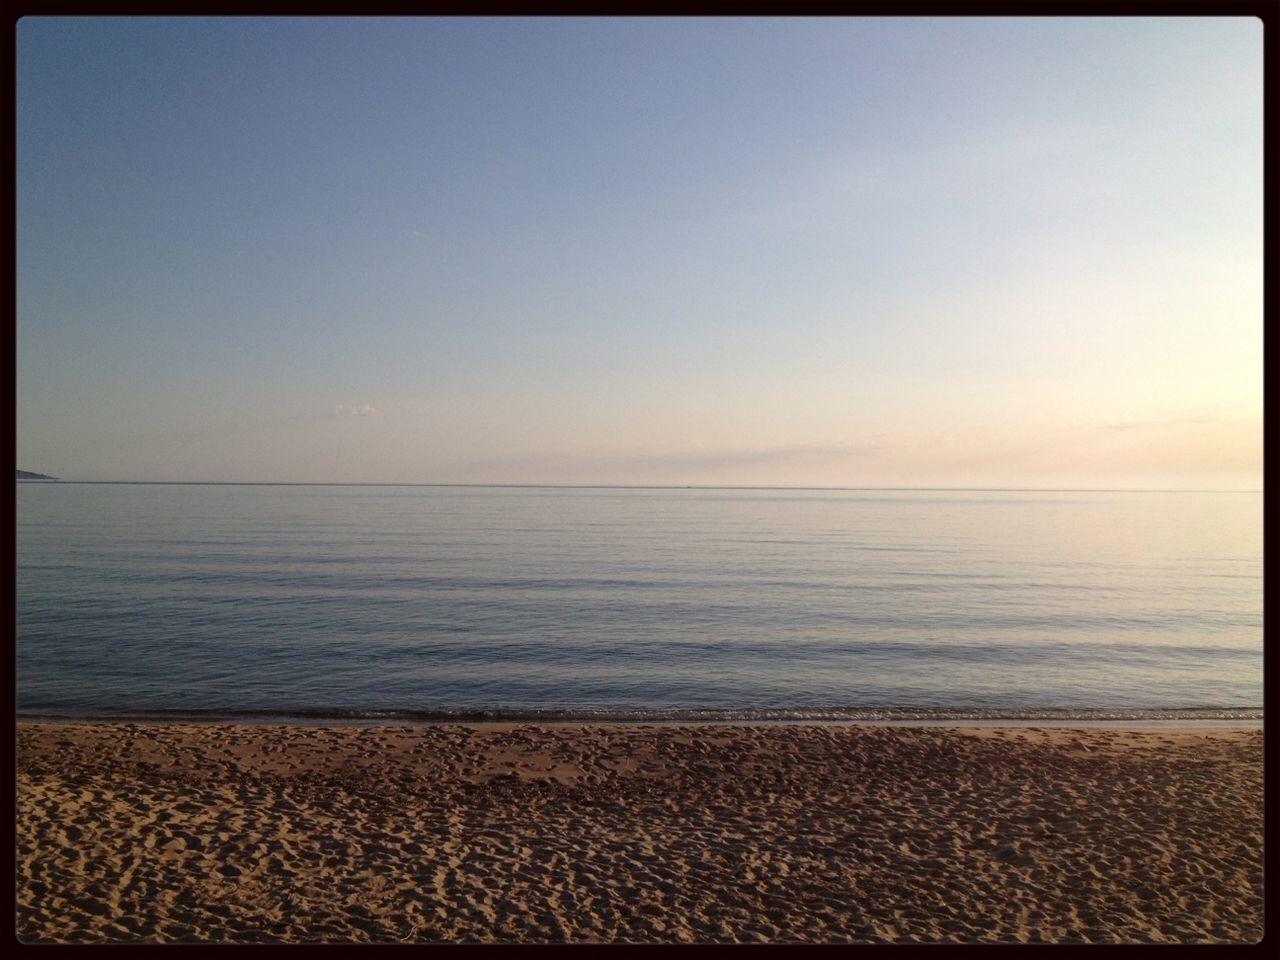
(28, 475)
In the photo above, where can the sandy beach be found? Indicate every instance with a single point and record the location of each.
(140, 832)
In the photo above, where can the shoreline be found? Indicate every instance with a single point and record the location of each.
(637, 833)
(960, 724)
(803, 716)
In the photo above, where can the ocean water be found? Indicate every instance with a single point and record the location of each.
(300, 600)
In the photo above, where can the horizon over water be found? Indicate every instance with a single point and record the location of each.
(624, 486)
(576, 601)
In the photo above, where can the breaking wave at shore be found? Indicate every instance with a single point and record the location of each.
(838, 715)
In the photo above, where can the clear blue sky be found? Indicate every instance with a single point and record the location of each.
(951, 252)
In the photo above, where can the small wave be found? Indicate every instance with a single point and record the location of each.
(833, 715)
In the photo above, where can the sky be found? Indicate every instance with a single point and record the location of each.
(799, 252)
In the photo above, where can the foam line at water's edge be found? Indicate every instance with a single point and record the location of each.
(502, 715)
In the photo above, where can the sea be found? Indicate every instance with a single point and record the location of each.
(490, 602)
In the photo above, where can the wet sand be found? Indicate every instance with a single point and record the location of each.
(134, 832)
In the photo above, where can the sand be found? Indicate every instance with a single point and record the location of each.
(238, 833)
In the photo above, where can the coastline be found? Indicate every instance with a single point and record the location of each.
(1250, 717)
(961, 725)
(149, 831)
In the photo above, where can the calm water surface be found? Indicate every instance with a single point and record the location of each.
(426, 600)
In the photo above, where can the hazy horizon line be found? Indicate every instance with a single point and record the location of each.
(638, 486)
